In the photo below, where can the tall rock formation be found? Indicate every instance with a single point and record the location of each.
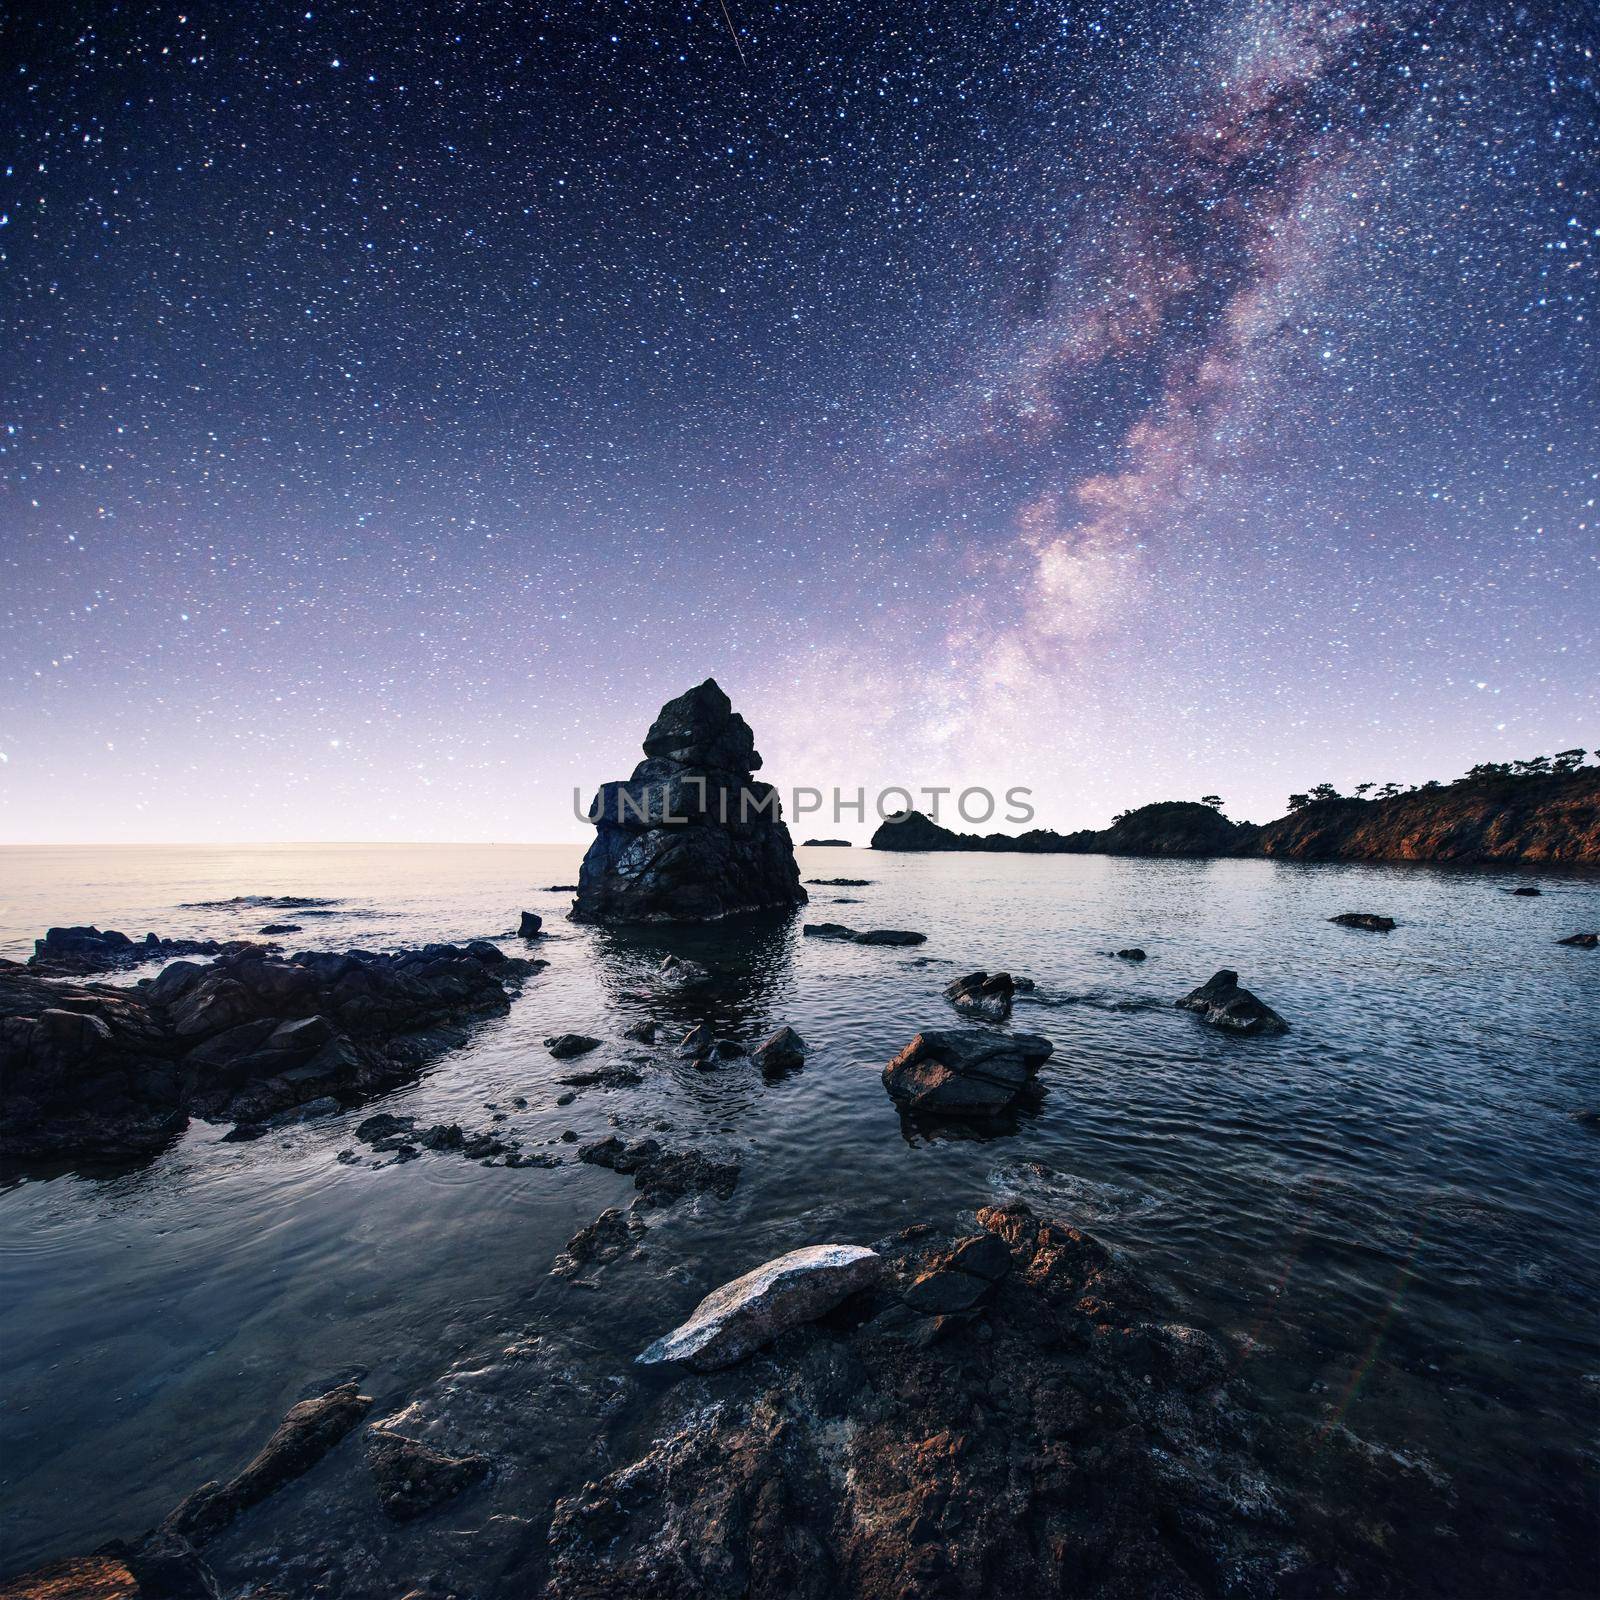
(692, 835)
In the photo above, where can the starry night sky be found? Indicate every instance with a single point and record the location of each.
(1131, 401)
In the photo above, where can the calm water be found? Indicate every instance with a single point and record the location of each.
(1391, 1210)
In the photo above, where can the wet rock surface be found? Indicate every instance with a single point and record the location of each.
(1220, 1002)
(754, 1309)
(782, 1051)
(564, 1046)
(612, 1234)
(82, 951)
(92, 1071)
(662, 1176)
(412, 1478)
(889, 936)
(1059, 1438)
(692, 836)
(1582, 941)
(984, 995)
(954, 1072)
(1370, 920)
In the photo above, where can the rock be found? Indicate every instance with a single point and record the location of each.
(561, 888)
(280, 927)
(838, 844)
(640, 1032)
(964, 1073)
(729, 1049)
(840, 883)
(678, 972)
(982, 994)
(753, 1310)
(101, 1577)
(663, 1176)
(611, 1234)
(1528, 891)
(1582, 941)
(957, 1280)
(692, 836)
(697, 1042)
(1369, 920)
(245, 1039)
(529, 924)
(903, 936)
(781, 1052)
(384, 1125)
(412, 1478)
(827, 930)
(1222, 1003)
(306, 1434)
(1131, 953)
(167, 1566)
(79, 951)
(564, 1046)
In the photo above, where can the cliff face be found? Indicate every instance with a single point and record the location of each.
(1554, 818)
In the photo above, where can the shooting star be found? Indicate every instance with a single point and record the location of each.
(733, 33)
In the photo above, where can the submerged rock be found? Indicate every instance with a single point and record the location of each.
(280, 927)
(1582, 941)
(1223, 1004)
(840, 883)
(612, 1234)
(307, 1433)
(827, 930)
(1131, 952)
(753, 1310)
(986, 995)
(692, 836)
(964, 1073)
(663, 1176)
(412, 1478)
(1370, 920)
(837, 930)
(1528, 891)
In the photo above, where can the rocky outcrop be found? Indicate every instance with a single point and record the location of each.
(80, 952)
(753, 1310)
(692, 836)
(965, 1073)
(1581, 941)
(1552, 817)
(1369, 920)
(92, 1071)
(832, 844)
(663, 1176)
(1055, 1435)
(1223, 1004)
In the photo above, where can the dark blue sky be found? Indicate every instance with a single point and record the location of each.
(1129, 401)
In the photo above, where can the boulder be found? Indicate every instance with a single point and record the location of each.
(1581, 941)
(692, 836)
(412, 1478)
(529, 924)
(1131, 953)
(564, 1046)
(964, 1073)
(698, 1042)
(663, 1176)
(678, 972)
(899, 936)
(1528, 891)
(1370, 920)
(1223, 1004)
(985, 995)
(781, 1052)
(280, 927)
(827, 930)
(751, 1311)
(836, 844)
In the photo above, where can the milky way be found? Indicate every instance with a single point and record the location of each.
(1129, 401)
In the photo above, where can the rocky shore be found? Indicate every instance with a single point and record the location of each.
(91, 1071)
(1552, 819)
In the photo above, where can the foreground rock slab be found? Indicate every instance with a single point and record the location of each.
(965, 1073)
(692, 836)
(750, 1312)
(1223, 1004)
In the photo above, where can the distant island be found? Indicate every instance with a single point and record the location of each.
(1546, 809)
(841, 844)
